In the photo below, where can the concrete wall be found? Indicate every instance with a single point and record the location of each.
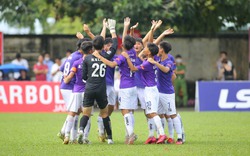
(200, 53)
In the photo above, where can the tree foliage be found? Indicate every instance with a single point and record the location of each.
(186, 16)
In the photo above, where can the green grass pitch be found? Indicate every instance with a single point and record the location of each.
(208, 133)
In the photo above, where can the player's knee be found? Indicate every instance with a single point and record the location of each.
(173, 116)
(87, 111)
(161, 115)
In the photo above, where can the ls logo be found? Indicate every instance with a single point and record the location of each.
(242, 95)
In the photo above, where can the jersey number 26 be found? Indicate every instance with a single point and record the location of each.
(99, 70)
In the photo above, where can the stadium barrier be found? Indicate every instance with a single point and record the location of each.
(30, 96)
(222, 96)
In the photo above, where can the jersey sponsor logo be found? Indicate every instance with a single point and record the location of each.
(243, 97)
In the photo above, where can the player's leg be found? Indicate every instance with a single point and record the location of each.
(182, 127)
(170, 130)
(83, 122)
(69, 126)
(176, 121)
(103, 105)
(66, 94)
(128, 103)
(111, 95)
(163, 122)
(72, 108)
(86, 132)
(163, 107)
(78, 106)
(86, 111)
(74, 130)
(152, 102)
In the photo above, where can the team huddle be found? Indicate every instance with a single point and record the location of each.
(147, 75)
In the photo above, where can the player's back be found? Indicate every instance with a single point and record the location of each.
(65, 68)
(164, 80)
(94, 73)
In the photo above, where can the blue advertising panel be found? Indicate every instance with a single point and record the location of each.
(223, 96)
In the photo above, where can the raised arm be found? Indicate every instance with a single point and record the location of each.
(151, 32)
(147, 38)
(104, 27)
(79, 35)
(111, 26)
(125, 29)
(133, 28)
(88, 32)
(165, 33)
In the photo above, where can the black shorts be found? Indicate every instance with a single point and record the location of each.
(99, 95)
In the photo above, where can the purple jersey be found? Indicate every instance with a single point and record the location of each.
(172, 59)
(65, 68)
(110, 73)
(77, 69)
(127, 76)
(148, 71)
(138, 81)
(164, 80)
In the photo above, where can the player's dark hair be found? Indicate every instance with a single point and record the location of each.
(86, 47)
(128, 42)
(108, 40)
(138, 40)
(69, 50)
(178, 56)
(79, 42)
(223, 52)
(166, 46)
(98, 42)
(224, 61)
(153, 48)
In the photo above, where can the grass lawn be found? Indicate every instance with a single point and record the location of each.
(209, 133)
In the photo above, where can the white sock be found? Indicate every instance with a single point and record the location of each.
(151, 127)
(133, 119)
(63, 127)
(164, 123)
(128, 123)
(70, 121)
(182, 126)
(177, 127)
(73, 132)
(170, 128)
(158, 124)
(100, 126)
(87, 129)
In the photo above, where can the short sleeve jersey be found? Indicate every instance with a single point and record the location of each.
(164, 80)
(79, 85)
(148, 73)
(127, 76)
(138, 80)
(65, 68)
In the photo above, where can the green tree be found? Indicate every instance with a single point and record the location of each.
(185, 16)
